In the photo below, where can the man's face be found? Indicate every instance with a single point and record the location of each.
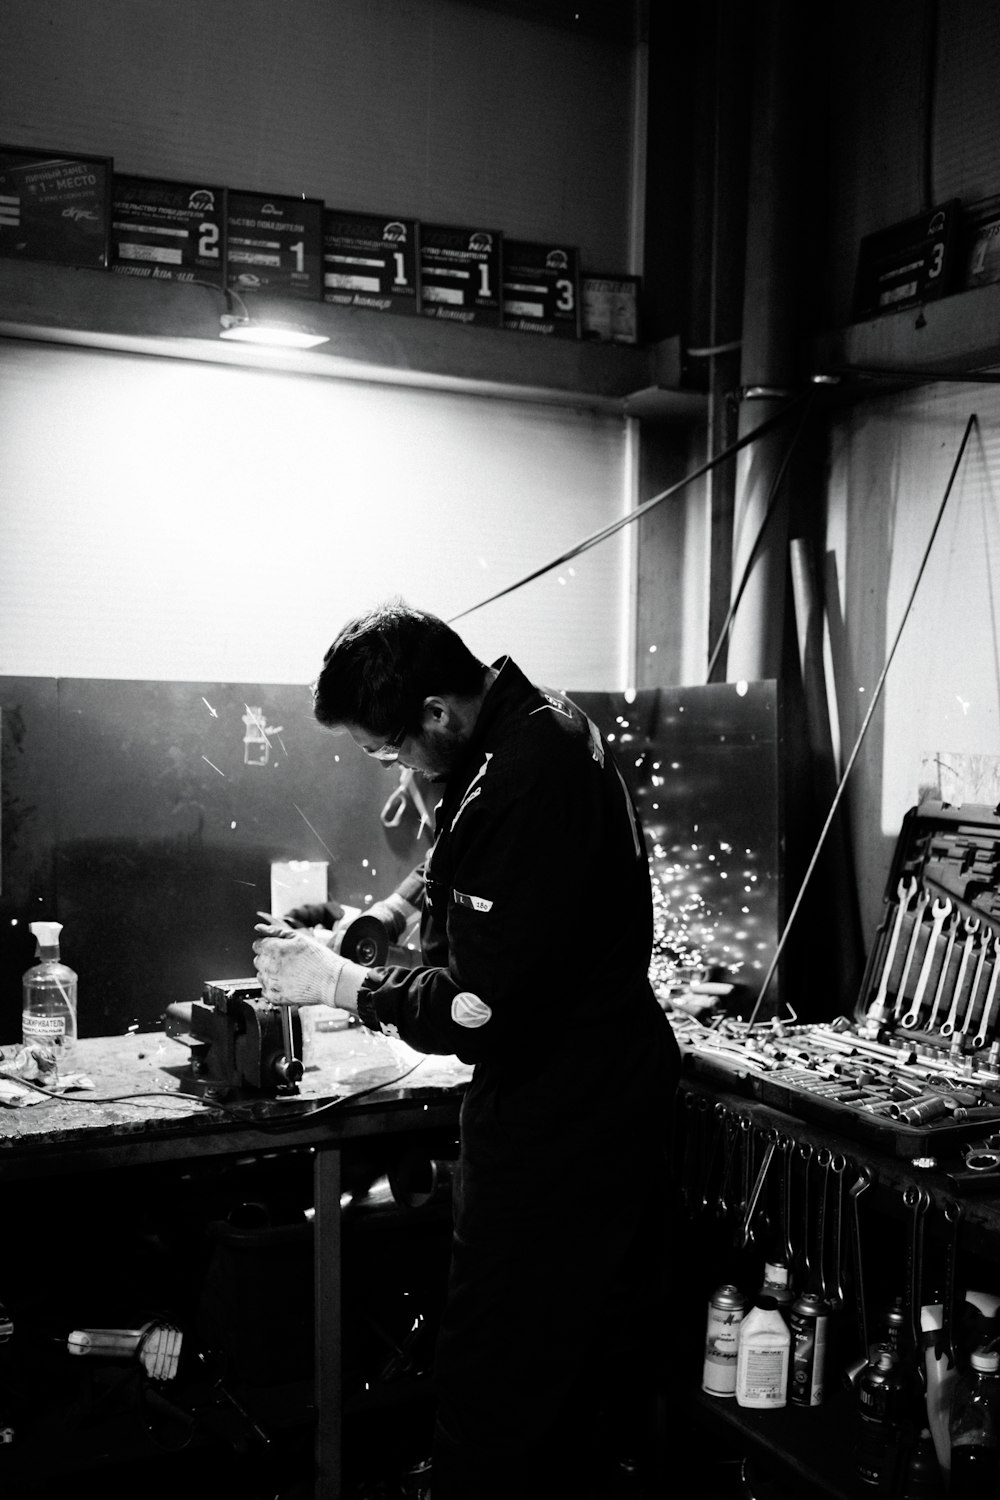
(433, 753)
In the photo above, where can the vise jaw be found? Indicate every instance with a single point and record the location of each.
(239, 1041)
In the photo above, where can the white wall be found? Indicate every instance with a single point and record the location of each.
(938, 724)
(170, 520)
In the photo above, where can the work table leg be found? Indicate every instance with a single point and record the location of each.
(327, 1287)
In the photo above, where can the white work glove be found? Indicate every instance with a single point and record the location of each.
(298, 970)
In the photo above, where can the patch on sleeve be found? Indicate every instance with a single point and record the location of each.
(474, 903)
(468, 1010)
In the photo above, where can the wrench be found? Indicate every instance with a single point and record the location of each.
(923, 900)
(940, 912)
(942, 983)
(824, 1156)
(863, 1183)
(979, 1040)
(971, 928)
(983, 954)
(918, 1200)
(746, 1235)
(905, 890)
(785, 1147)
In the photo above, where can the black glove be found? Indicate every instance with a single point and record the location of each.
(323, 914)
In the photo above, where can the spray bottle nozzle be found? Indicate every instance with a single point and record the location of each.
(46, 935)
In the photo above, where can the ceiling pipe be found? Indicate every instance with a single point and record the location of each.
(768, 372)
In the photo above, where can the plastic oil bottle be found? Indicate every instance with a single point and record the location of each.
(48, 1011)
(762, 1357)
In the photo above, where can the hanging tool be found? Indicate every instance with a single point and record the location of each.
(878, 1011)
(917, 1200)
(923, 901)
(971, 925)
(940, 912)
(746, 1234)
(861, 1185)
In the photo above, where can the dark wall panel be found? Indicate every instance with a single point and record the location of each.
(164, 816)
(144, 816)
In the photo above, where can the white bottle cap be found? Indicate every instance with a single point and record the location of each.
(46, 933)
(987, 1360)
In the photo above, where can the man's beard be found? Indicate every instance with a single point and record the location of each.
(444, 750)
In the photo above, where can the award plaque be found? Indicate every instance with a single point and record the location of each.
(55, 208)
(981, 259)
(370, 261)
(460, 272)
(541, 289)
(168, 231)
(274, 245)
(610, 308)
(908, 263)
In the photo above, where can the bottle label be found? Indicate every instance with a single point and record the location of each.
(721, 1345)
(42, 1028)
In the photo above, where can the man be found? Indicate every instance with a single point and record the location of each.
(536, 935)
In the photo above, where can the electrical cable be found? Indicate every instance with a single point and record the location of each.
(969, 426)
(641, 510)
(769, 510)
(238, 1111)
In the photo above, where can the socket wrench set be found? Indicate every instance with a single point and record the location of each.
(917, 1069)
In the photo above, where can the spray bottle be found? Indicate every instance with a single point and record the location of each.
(48, 1012)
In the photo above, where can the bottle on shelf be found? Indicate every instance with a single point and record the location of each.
(881, 1406)
(975, 1430)
(48, 1010)
(762, 1357)
(778, 1284)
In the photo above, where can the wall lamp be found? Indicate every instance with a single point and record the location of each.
(239, 327)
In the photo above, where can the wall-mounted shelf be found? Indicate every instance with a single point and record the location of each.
(955, 335)
(98, 309)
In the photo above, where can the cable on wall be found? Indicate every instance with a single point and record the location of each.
(641, 510)
(969, 427)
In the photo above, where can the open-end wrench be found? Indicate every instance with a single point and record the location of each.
(940, 912)
(971, 925)
(979, 1040)
(942, 983)
(746, 1234)
(861, 1185)
(923, 901)
(824, 1156)
(953, 1213)
(905, 890)
(805, 1152)
(785, 1239)
(984, 950)
(918, 1201)
(835, 1282)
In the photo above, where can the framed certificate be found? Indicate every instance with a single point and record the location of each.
(371, 261)
(460, 274)
(55, 207)
(274, 244)
(609, 308)
(168, 231)
(541, 289)
(908, 263)
(981, 244)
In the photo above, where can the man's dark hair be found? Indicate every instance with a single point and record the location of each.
(383, 665)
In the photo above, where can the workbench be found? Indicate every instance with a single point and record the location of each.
(358, 1086)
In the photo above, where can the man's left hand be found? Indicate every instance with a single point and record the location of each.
(297, 970)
